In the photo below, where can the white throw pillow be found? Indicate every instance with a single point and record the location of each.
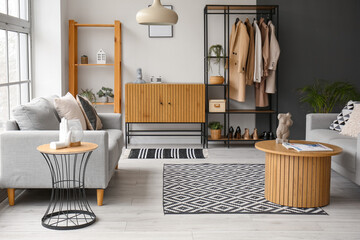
(352, 126)
(67, 107)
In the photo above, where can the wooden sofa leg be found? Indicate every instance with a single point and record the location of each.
(11, 196)
(100, 196)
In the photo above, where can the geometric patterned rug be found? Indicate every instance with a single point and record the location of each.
(165, 153)
(220, 189)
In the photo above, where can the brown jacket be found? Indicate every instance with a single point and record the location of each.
(250, 64)
(273, 59)
(239, 45)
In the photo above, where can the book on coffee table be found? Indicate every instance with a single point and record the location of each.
(307, 147)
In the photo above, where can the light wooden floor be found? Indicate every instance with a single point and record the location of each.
(133, 210)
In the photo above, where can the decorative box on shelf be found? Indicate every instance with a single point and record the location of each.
(217, 105)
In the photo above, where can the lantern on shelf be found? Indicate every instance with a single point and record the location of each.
(101, 57)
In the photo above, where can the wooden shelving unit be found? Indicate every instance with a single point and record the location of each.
(73, 60)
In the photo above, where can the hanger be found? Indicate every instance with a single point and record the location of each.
(236, 21)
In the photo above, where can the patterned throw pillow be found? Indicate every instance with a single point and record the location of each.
(91, 117)
(352, 127)
(343, 117)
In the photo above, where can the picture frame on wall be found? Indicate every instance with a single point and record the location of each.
(161, 31)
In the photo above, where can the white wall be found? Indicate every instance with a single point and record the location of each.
(177, 60)
(47, 57)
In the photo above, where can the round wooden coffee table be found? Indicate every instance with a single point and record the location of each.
(297, 179)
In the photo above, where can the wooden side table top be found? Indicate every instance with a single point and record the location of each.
(83, 148)
(272, 147)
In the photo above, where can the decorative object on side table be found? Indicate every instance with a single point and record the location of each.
(324, 95)
(88, 94)
(84, 59)
(70, 134)
(139, 76)
(216, 52)
(101, 57)
(105, 95)
(68, 208)
(215, 128)
(283, 132)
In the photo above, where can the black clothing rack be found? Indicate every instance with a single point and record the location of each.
(269, 12)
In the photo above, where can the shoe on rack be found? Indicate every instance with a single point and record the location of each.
(265, 136)
(231, 132)
(255, 135)
(271, 136)
(246, 135)
(238, 133)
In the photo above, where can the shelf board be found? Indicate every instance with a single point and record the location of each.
(103, 103)
(245, 111)
(219, 85)
(94, 64)
(217, 57)
(94, 25)
(225, 7)
(222, 139)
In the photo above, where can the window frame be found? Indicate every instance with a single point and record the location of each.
(19, 26)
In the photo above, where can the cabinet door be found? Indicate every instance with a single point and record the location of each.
(186, 103)
(144, 103)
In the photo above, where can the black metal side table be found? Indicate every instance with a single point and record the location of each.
(68, 208)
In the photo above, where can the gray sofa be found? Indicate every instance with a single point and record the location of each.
(348, 162)
(23, 167)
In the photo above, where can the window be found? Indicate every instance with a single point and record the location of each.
(15, 75)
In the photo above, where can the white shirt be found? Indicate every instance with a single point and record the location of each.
(258, 68)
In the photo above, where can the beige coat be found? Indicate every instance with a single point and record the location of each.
(250, 63)
(239, 45)
(273, 59)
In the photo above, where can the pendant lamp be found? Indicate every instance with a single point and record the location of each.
(157, 14)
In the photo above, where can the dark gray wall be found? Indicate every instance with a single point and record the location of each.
(318, 39)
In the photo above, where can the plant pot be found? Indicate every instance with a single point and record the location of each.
(84, 60)
(215, 134)
(103, 99)
(216, 80)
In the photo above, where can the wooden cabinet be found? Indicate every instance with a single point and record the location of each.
(168, 103)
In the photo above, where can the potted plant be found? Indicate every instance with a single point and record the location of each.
(84, 59)
(216, 52)
(215, 128)
(88, 94)
(323, 95)
(105, 95)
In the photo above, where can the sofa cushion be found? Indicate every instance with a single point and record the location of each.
(67, 107)
(39, 114)
(347, 158)
(343, 116)
(91, 117)
(324, 135)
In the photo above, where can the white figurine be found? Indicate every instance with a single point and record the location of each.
(64, 136)
(283, 132)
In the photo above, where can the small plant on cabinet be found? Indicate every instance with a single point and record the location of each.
(215, 128)
(105, 94)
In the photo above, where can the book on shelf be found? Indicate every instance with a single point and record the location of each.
(301, 147)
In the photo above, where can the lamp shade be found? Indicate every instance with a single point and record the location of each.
(157, 14)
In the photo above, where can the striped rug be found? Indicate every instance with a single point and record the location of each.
(165, 153)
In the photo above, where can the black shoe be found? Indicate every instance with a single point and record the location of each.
(238, 133)
(271, 136)
(265, 135)
(231, 132)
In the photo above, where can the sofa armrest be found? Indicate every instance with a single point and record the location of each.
(22, 166)
(11, 125)
(110, 120)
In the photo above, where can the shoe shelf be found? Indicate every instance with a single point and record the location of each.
(222, 139)
(245, 111)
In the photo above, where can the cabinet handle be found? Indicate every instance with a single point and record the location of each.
(161, 103)
(169, 103)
